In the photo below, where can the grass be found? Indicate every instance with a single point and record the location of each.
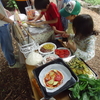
(93, 2)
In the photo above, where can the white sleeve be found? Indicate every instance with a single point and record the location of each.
(89, 51)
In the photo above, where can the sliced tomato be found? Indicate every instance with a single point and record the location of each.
(66, 52)
(58, 77)
(62, 53)
(61, 56)
(57, 51)
(66, 55)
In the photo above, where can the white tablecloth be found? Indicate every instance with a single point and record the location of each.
(41, 35)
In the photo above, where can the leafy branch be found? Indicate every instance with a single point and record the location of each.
(12, 4)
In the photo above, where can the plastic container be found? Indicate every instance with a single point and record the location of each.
(28, 48)
(30, 13)
(47, 44)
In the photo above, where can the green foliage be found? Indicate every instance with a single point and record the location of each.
(12, 4)
(93, 2)
(86, 89)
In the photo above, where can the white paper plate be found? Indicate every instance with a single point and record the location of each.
(45, 53)
(59, 67)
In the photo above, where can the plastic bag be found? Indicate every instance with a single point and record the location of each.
(30, 13)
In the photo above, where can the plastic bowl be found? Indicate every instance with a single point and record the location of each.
(48, 52)
(63, 52)
(49, 58)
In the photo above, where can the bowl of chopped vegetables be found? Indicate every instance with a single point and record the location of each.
(47, 48)
(63, 52)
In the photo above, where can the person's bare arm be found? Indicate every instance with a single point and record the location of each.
(37, 18)
(8, 12)
(63, 33)
(57, 31)
(4, 18)
(48, 22)
(51, 21)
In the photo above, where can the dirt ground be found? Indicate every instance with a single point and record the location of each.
(14, 83)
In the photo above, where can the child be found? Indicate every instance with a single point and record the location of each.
(60, 5)
(52, 16)
(84, 38)
(70, 11)
(5, 39)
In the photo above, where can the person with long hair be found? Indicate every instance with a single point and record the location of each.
(82, 42)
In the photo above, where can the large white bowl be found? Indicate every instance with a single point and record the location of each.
(45, 53)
